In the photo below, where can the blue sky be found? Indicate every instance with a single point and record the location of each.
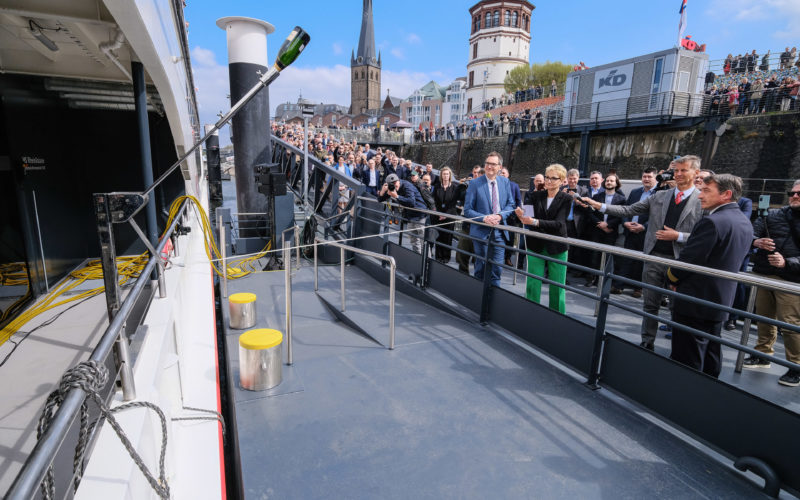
(428, 40)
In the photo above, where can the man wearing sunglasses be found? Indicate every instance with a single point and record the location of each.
(777, 256)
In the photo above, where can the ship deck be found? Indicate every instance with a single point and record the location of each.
(456, 410)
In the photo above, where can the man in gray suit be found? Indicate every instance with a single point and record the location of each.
(673, 213)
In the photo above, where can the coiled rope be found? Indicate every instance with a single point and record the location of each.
(91, 377)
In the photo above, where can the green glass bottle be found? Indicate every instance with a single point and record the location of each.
(291, 48)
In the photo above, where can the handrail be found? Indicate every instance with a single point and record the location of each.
(379, 256)
(746, 278)
(46, 448)
(605, 274)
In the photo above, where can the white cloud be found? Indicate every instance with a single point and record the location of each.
(786, 12)
(337, 48)
(398, 53)
(413, 38)
(211, 81)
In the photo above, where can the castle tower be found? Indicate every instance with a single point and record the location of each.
(365, 69)
(500, 39)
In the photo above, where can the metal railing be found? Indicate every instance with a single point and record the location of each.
(605, 274)
(48, 445)
(386, 258)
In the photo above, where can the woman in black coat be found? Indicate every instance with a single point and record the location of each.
(446, 196)
(550, 210)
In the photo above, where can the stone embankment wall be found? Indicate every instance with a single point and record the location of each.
(757, 147)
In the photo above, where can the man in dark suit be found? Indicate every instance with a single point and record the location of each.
(720, 240)
(740, 301)
(604, 228)
(635, 227)
(516, 193)
(488, 200)
(673, 213)
(575, 215)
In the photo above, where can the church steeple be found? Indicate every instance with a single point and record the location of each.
(366, 40)
(365, 69)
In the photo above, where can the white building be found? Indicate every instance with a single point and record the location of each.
(455, 101)
(500, 40)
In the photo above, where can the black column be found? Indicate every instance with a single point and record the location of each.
(140, 103)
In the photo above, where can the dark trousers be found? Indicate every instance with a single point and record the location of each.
(576, 254)
(694, 351)
(742, 293)
(444, 237)
(599, 236)
(631, 268)
(464, 245)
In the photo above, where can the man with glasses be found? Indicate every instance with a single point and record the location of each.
(489, 200)
(673, 213)
(777, 256)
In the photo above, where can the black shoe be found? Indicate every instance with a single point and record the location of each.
(591, 282)
(730, 325)
(790, 379)
(615, 290)
(637, 294)
(647, 346)
(755, 363)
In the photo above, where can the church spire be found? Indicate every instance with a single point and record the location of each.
(366, 40)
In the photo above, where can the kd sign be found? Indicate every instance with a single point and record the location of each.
(613, 80)
(689, 44)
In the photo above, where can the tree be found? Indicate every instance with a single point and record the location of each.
(523, 76)
(544, 73)
(519, 78)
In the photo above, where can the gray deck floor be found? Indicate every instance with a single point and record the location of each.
(455, 411)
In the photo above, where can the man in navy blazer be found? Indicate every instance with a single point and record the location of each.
(489, 200)
(720, 240)
(635, 228)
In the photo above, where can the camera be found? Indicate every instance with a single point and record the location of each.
(664, 176)
(390, 186)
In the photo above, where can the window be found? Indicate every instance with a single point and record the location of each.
(656, 86)
(507, 18)
(488, 22)
(496, 18)
(514, 19)
(469, 104)
(471, 78)
(477, 24)
(475, 50)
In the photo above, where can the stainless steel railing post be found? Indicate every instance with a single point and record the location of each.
(392, 271)
(516, 245)
(223, 262)
(316, 273)
(751, 302)
(297, 244)
(287, 280)
(162, 285)
(341, 260)
(600, 284)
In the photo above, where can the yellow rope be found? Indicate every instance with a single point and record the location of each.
(128, 268)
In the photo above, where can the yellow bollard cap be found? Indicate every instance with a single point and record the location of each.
(260, 338)
(242, 298)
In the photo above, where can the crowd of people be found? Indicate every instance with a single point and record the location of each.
(474, 127)
(753, 83)
(683, 213)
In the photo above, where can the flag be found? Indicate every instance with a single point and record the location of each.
(682, 23)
